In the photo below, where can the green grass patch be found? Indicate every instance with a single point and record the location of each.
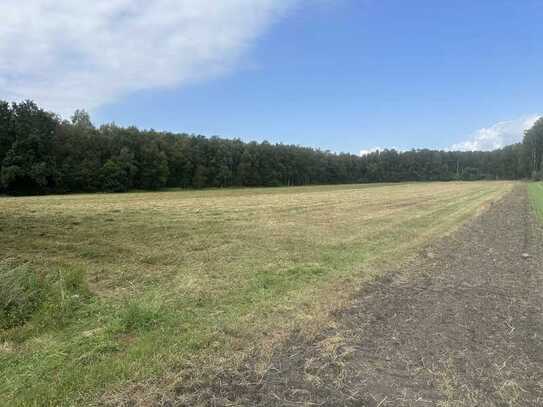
(535, 189)
(48, 299)
(138, 316)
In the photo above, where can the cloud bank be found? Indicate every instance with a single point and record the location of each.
(68, 54)
(497, 136)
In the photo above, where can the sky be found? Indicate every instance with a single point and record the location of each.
(345, 75)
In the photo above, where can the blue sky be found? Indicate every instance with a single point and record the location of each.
(345, 75)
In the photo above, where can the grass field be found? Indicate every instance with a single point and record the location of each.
(536, 194)
(102, 292)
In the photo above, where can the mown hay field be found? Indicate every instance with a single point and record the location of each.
(107, 293)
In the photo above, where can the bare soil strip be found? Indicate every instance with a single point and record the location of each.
(461, 325)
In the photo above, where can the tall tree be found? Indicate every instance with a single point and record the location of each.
(28, 165)
(7, 136)
(533, 142)
(153, 168)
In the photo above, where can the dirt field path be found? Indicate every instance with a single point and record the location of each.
(461, 326)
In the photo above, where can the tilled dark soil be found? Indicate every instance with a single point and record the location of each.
(462, 325)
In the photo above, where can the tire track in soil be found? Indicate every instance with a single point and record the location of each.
(461, 325)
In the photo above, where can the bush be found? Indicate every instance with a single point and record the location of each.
(49, 298)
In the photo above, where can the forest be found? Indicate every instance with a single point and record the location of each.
(40, 153)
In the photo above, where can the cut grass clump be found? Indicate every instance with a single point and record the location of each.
(47, 299)
(137, 316)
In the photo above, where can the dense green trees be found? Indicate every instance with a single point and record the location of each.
(40, 153)
(27, 164)
(533, 141)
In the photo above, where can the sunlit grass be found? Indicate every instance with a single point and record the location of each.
(178, 276)
(535, 190)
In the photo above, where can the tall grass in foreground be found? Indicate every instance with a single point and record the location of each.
(535, 190)
(100, 292)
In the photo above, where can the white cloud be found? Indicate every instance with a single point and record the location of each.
(68, 54)
(370, 150)
(497, 136)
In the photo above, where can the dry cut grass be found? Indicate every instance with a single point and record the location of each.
(178, 278)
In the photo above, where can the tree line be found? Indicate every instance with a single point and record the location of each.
(41, 153)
